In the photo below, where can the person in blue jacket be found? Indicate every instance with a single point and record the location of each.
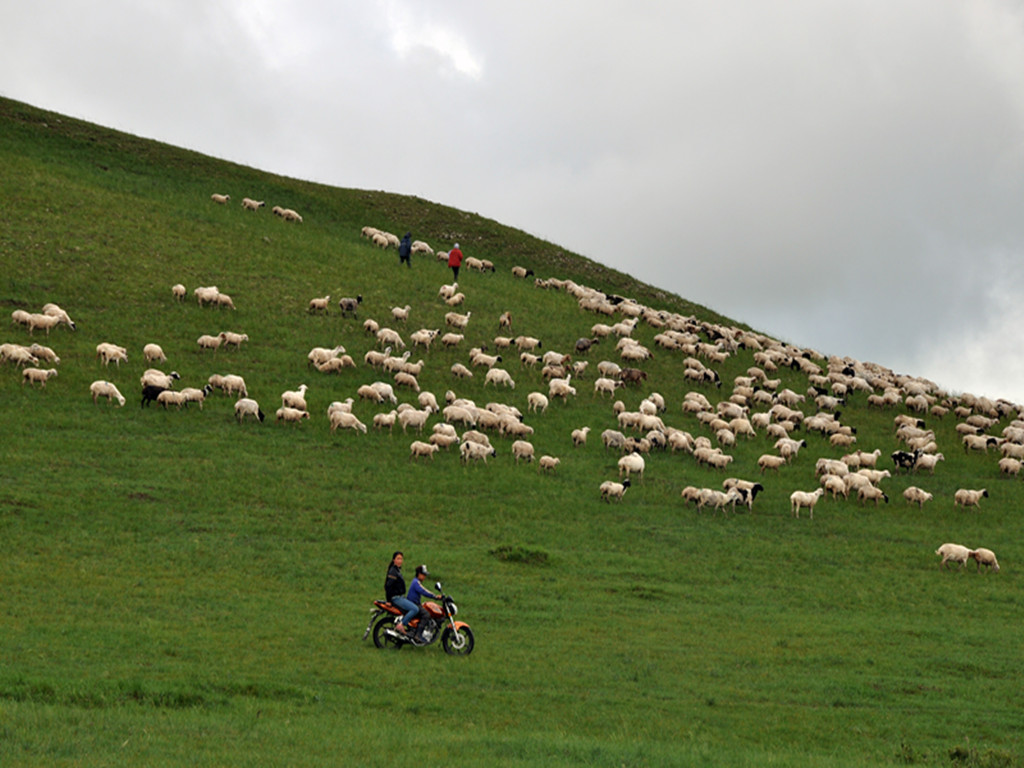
(416, 592)
(405, 250)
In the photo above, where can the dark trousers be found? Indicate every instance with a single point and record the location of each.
(455, 273)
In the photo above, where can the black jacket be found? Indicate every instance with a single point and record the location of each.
(394, 584)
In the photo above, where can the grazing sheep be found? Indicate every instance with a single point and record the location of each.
(457, 321)
(295, 398)
(294, 415)
(1010, 466)
(350, 305)
(969, 498)
(472, 451)
(579, 436)
(196, 395)
(871, 493)
(979, 442)
(37, 375)
(232, 339)
(223, 300)
(536, 402)
(630, 463)
(498, 376)
(289, 215)
(154, 354)
(548, 463)
(915, 495)
(770, 461)
(521, 272)
(178, 291)
(206, 294)
(419, 448)
(388, 337)
(170, 397)
(219, 198)
(107, 389)
(320, 304)
(248, 407)
(424, 337)
(345, 420)
(521, 449)
(252, 205)
(612, 490)
(799, 499)
(955, 552)
(411, 417)
(984, 557)
(108, 352)
(232, 384)
(40, 352)
(561, 388)
(206, 341)
(382, 420)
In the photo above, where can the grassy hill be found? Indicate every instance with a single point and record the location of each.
(181, 588)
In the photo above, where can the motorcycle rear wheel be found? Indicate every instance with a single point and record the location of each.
(381, 638)
(457, 642)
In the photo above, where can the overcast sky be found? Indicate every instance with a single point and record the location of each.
(842, 175)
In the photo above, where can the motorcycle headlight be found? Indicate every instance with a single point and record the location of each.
(453, 608)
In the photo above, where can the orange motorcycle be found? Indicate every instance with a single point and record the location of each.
(433, 621)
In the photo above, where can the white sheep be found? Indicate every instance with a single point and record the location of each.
(928, 461)
(232, 383)
(252, 205)
(521, 449)
(460, 371)
(457, 321)
(17, 354)
(471, 451)
(799, 499)
(387, 392)
(770, 461)
(915, 495)
(401, 313)
(345, 420)
(152, 377)
(447, 291)
(561, 388)
(548, 463)
(632, 463)
(419, 448)
(40, 352)
(536, 402)
(196, 395)
(248, 407)
(413, 418)
(295, 398)
(108, 353)
(206, 294)
(985, 557)
(154, 354)
(294, 415)
(955, 552)
(579, 436)
(871, 493)
(612, 490)
(232, 339)
(178, 292)
(388, 337)
(219, 198)
(290, 215)
(407, 380)
(37, 375)
(498, 376)
(107, 389)
(320, 304)
(605, 385)
(206, 341)
(969, 498)
(170, 397)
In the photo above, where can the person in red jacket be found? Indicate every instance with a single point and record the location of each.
(455, 261)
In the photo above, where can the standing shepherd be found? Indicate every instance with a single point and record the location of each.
(405, 250)
(455, 261)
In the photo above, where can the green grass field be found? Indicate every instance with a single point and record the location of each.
(182, 589)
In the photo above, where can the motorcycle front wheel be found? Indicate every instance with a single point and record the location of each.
(381, 638)
(457, 642)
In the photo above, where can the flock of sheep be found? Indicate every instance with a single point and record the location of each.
(757, 407)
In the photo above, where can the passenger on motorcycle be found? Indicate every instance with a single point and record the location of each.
(416, 591)
(394, 586)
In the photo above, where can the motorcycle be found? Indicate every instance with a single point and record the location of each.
(432, 622)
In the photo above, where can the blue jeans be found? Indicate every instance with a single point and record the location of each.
(407, 605)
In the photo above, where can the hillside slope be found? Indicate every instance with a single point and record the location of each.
(179, 586)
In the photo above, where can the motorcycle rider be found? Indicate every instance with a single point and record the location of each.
(416, 591)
